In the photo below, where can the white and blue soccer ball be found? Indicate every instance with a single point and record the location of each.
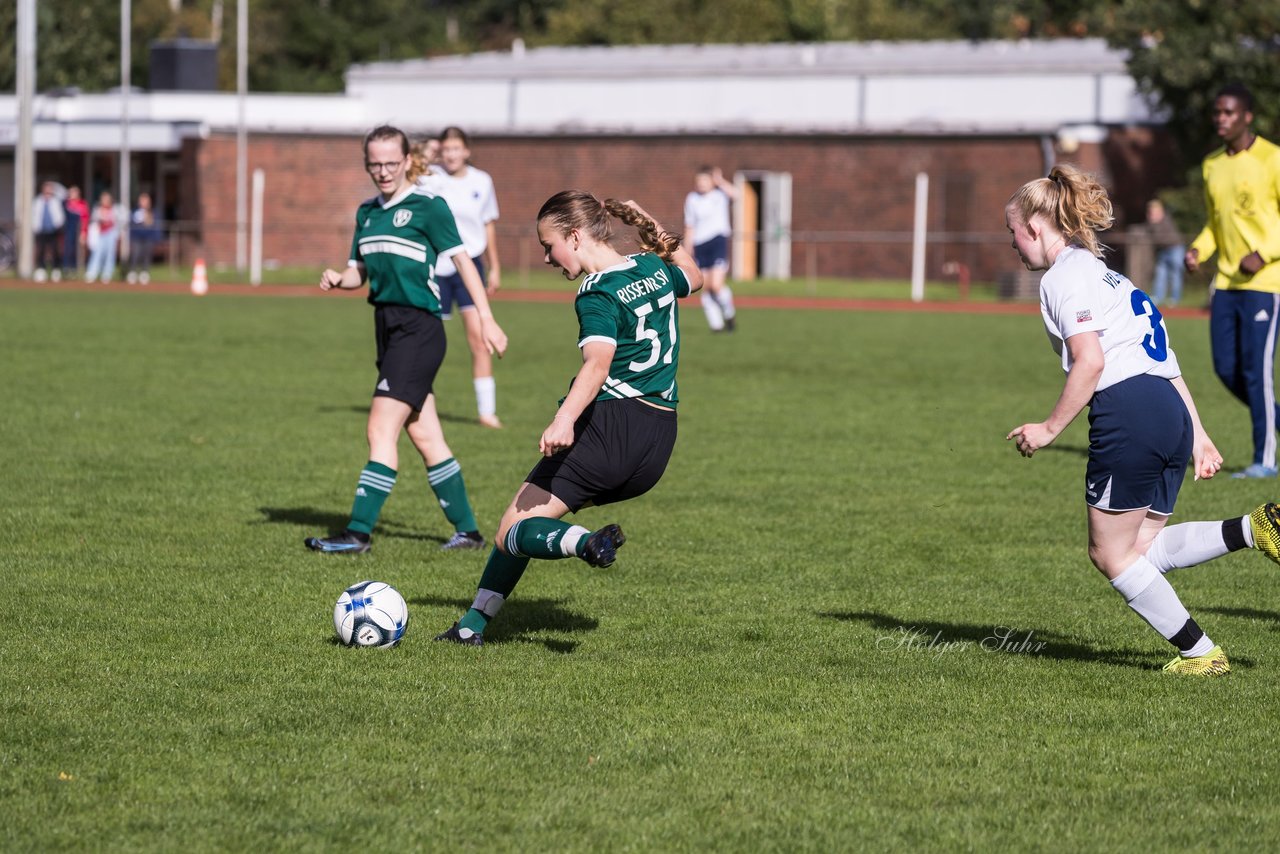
(371, 613)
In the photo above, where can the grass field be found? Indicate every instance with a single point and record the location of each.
(793, 652)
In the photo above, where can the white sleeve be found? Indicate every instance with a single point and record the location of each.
(489, 207)
(1074, 306)
(690, 215)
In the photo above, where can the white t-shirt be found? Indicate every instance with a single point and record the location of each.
(474, 203)
(707, 214)
(1080, 294)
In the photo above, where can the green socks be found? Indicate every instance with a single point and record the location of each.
(451, 492)
(538, 537)
(371, 493)
(501, 574)
(545, 539)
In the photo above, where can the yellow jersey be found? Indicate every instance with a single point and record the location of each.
(1242, 196)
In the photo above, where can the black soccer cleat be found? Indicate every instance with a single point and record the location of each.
(466, 637)
(601, 548)
(348, 542)
(463, 540)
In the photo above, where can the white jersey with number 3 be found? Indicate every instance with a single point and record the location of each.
(1080, 294)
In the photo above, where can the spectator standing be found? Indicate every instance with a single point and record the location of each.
(1170, 251)
(73, 231)
(47, 218)
(1242, 202)
(144, 231)
(104, 234)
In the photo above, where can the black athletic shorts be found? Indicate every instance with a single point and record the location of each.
(620, 450)
(411, 345)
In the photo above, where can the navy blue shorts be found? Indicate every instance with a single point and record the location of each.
(1140, 437)
(712, 254)
(452, 289)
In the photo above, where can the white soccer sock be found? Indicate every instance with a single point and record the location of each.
(486, 396)
(1153, 599)
(726, 303)
(715, 314)
(569, 540)
(1187, 544)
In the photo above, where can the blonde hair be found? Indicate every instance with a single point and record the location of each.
(1072, 201)
(418, 164)
(570, 209)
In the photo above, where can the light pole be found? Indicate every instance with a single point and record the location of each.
(126, 156)
(24, 165)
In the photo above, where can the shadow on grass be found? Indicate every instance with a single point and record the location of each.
(926, 635)
(363, 409)
(1247, 613)
(521, 619)
(326, 522)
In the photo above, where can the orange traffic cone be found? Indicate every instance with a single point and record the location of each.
(199, 279)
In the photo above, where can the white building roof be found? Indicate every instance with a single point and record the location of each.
(1001, 87)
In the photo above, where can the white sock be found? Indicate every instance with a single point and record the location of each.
(1187, 544)
(715, 314)
(486, 395)
(1153, 599)
(726, 303)
(570, 539)
(488, 602)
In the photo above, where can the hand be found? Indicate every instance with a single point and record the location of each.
(330, 279)
(494, 338)
(1206, 461)
(1192, 261)
(717, 175)
(1031, 437)
(557, 436)
(495, 281)
(1251, 263)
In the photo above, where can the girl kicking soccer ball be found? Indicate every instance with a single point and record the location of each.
(1143, 424)
(613, 433)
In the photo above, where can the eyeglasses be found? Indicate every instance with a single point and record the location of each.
(375, 168)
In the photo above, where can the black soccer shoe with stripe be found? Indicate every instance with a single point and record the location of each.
(466, 637)
(348, 542)
(601, 548)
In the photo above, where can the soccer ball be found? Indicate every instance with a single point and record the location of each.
(371, 613)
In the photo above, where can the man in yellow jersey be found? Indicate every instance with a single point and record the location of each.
(1242, 197)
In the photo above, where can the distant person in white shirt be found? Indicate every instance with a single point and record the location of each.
(707, 229)
(470, 195)
(1143, 424)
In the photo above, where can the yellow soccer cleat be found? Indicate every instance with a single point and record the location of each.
(1265, 522)
(1212, 663)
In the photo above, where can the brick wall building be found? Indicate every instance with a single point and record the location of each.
(852, 199)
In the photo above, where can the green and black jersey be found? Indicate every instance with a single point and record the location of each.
(398, 242)
(633, 306)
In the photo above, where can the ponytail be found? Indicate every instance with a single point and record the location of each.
(1072, 201)
(578, 209)
(664, 244)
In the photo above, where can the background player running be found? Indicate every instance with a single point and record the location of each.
(471, 197)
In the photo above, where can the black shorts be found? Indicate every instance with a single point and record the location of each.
(620, 450)
(411, 345)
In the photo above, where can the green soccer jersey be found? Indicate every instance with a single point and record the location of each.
(633, 306)
(398, 242)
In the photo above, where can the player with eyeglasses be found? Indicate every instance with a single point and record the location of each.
(400, 235)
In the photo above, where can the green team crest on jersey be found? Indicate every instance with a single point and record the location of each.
(633, 306)
(398, 243)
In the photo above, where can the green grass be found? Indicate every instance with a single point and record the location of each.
(739, 681)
